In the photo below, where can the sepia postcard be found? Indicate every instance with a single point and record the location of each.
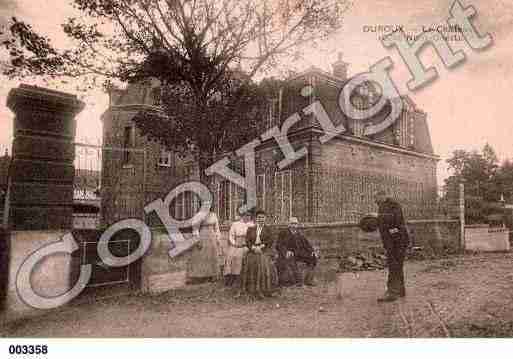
(255, 169)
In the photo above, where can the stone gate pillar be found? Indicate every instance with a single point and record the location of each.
(42, 169)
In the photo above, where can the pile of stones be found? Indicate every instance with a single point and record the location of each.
(362, 261)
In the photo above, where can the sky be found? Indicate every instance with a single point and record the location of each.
(467, 106)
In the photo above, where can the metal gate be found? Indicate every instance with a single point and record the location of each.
(109, 185)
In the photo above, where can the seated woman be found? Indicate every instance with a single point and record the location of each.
(203, 263)
(258, 275)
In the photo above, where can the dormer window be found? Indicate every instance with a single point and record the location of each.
(165, 158)
(156, 95)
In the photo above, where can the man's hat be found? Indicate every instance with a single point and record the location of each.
(369, 223)
(293, 220)
(249, 212)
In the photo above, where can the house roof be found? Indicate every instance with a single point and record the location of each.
(136, 98)
(315, 71)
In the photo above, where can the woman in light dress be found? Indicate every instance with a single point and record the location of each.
(236, 249)
(203, 263)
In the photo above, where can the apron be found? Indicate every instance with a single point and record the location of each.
(234, 255)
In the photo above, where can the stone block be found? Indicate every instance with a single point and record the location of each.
(43, 111)
(43, 148)
(42, 171)
(50, 277)
(41, 194)
(37, 122)
(40, 218)
(160, 272)
(486, 239)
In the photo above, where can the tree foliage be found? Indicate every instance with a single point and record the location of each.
(477, 170)
(231, 118)
(486, 182)
(177, 41)
(197, 49)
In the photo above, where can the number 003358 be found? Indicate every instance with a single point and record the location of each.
(28, 349)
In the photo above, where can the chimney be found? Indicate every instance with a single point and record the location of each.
(340, 68)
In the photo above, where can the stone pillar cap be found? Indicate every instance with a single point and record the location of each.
(50, 98)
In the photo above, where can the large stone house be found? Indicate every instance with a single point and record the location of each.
(334, 182)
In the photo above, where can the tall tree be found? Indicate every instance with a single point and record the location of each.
(504, 180)
(191, 44)
(484, 181)
(476, 170)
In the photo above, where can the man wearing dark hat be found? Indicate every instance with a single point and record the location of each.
(394, 235)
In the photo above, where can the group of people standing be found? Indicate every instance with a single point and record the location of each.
(256, 260)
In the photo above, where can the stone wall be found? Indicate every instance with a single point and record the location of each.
(50, 277)
(335, 240)
(160, 272)
(487, 239)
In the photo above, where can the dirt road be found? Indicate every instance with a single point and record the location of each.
(460, 296)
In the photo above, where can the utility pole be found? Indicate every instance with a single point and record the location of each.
(462, 215)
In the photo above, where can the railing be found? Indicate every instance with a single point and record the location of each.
(104, 179)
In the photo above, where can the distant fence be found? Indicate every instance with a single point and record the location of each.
(336, 195)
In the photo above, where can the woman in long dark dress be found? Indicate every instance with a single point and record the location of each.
(258, 275)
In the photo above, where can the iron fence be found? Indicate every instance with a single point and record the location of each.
(109, 184)
(335, 195)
